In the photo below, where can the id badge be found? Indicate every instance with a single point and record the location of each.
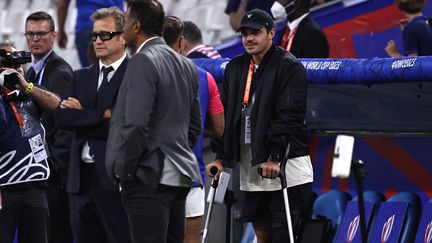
(38, 149)
(245, 134)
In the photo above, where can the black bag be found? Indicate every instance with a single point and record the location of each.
(315, 231)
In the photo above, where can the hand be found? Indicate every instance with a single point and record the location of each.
(22, 83)
(71, 103)
(391, 49)
(218, 164)
(62, 39)
(107, 114)
(270, 169)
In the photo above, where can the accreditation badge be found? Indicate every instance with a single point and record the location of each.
(245, 134)
(38, 149)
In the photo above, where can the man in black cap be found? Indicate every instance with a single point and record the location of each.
(265, 104)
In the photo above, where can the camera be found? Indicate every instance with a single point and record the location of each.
(12, 60)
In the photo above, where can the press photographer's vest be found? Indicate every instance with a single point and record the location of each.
(23, 150)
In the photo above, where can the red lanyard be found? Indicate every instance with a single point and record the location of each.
(248, 83)
(288, 39)
(14, 109)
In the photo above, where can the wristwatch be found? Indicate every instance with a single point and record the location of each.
(274, 157)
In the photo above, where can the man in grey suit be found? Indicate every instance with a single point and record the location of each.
(154, 124)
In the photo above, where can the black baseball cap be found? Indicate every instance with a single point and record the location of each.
(256, 19)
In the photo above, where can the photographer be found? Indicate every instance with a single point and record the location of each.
(23, 152)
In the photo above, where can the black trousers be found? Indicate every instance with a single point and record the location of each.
(59, 230)
(27, 211)
(97, 215)
(155, 214)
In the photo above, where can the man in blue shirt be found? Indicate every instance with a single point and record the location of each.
(416, 31)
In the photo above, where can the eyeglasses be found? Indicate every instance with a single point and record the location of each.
(40, 34)
(104, 35)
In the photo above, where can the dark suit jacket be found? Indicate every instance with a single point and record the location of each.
(157, 110)
(57, 77)
(309, 40)
(88, 123)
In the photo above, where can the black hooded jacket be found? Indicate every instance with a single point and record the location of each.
(278, 112)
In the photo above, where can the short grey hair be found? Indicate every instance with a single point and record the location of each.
(114, 12)
(7, 43)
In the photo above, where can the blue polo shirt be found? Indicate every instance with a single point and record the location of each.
(87, 7)
(417, 37)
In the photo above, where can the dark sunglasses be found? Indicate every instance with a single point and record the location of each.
(104, 35)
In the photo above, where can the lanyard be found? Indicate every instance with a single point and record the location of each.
(41, 72)
(248, 83)
(12, 105)
(41, 75)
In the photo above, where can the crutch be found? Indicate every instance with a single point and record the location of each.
(214, 185)
(282, 177)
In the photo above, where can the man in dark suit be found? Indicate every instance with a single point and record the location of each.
(301, 36)
(155, 122)
(54, 74)
(95, 204)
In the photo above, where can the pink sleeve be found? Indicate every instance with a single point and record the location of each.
(214, 105)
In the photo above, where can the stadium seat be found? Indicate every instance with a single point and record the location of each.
(13, 20)
(331, 205)
(19, 4)
(424, 232)
(37, 5)
(372, 196)
(412, 217)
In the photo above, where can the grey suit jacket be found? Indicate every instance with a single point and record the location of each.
(156, 116)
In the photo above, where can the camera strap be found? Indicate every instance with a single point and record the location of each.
(6, 93)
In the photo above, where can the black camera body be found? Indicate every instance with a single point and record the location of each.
(12, 60)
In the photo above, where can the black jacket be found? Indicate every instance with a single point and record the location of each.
(309, 40)
(88, 123)
(278, 112)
